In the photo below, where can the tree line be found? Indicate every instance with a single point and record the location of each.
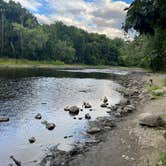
(23, 37)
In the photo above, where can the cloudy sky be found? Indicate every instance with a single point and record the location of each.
(101, 16)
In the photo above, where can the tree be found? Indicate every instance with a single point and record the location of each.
(148, 17)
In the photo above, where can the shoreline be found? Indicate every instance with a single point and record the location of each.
(111, 132)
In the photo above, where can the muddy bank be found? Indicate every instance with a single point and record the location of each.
(105, 143)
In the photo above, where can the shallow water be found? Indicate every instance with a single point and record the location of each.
(26, 92)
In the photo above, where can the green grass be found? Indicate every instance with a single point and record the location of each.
(164, 82)
(20, 62)
(151, 89)
(162, 160)
(164, 135)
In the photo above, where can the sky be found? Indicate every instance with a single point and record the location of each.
(98, 16)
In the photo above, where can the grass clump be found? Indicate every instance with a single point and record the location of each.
(164, 81)
(162, 160)
(152, 90)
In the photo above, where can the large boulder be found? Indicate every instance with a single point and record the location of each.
(4, 119)
(151, 120)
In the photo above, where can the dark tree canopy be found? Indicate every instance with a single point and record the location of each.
(149, 17)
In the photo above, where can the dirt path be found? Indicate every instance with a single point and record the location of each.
(129, 144)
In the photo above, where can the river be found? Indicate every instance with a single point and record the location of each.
(27, 92)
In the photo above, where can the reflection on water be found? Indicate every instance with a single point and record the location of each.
(24, 93)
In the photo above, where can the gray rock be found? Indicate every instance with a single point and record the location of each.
(4, 119)
(38, 116)
(67, 108)
(87, 116)
(105, 100)
(124, 101)
(129, 108)
(117, 115)
(93, 130)
(32, 140)
(74, 110)
(50, 126)
(159, 92)
(87, 105)
(151, 120)
(104, 105)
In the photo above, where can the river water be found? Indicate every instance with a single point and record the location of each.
(26, 92)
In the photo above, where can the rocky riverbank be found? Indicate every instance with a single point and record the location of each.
(116, 140)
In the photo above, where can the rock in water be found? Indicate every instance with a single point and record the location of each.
(87, 105)
(18, 163)
(93, 130)
(67, 108)
(151, 120)
(74, 110)
(104, 105)
(4, 119)
(38, 116)
(32, 140)
(87, 116)
(50, 126)
(105, 99)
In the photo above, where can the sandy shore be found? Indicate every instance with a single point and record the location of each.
(126, 144)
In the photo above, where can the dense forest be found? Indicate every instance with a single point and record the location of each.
(23, 37)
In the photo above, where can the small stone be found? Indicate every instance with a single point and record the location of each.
(38, 116)
(4, 119)
(87, 116)
(105, 99)
(32, 140)
(104, 105)
(90, 109)
(93, 130)
(87, 105)
(67, 108)
(74, 118)
(65, 137)
(80, 118)
(50, 126)
(74, 110)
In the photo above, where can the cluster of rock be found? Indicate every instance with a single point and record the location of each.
(49, 126)
(105, 103)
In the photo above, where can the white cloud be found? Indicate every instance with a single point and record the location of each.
(29, 4)
(101, 16)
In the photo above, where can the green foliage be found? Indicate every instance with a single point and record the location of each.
(164, 82)
(22, 62)
(25, 38)
(162, 160)
(148, 17)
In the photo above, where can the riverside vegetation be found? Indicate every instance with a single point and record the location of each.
(25, 38)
